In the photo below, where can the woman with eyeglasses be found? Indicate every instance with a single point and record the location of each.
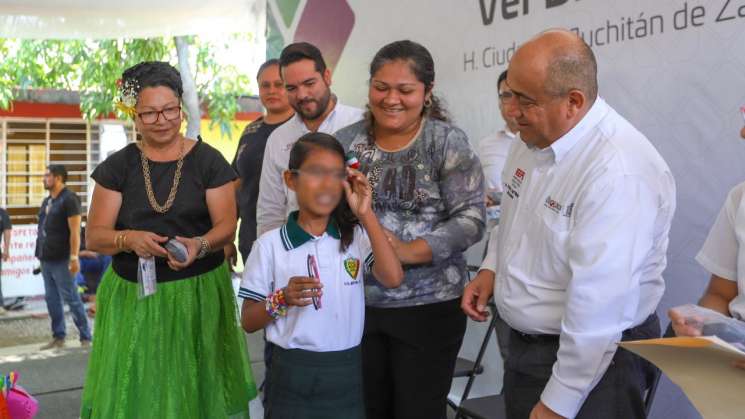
(167, 342)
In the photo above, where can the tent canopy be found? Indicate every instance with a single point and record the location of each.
(101, 19)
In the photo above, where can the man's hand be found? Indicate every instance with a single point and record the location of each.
(476, 294)
(6, 256)
(541, 411)
(74, 266)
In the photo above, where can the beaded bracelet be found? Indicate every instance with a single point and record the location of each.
(276, 305)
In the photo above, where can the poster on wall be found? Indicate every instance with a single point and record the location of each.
(17, 273)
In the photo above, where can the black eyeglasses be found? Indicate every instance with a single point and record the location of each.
(152, 117)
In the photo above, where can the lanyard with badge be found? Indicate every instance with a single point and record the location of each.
(146, 278)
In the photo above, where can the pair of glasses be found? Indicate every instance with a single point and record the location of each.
(152, 117)
(317, 173)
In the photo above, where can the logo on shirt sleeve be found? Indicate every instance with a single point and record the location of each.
(352, 266)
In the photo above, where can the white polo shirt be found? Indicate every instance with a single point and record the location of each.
(493, 152)
(723, 253)
(276, 201)
(582, 245)
(283, 253)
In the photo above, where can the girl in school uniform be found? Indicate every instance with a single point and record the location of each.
(303, 283)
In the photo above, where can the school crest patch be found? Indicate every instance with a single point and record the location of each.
(352, 266)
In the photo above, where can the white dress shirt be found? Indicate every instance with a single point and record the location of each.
(493, 152)
(581, 245)
(276, 201)
(723, 253)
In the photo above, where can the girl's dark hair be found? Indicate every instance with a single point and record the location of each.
(422, 65)
(342, 215)
(154, 74)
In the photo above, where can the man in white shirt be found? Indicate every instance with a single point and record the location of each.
(493, 151)
(307, 82)
(581, 247)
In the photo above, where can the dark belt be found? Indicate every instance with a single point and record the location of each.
(632, 333)
(530, 338)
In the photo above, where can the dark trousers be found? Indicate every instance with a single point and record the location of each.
(618, 395)
(408, 357)
(315, 385)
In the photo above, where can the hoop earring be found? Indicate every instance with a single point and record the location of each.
(428, 102)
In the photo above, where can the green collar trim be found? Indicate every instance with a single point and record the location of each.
(294, 236)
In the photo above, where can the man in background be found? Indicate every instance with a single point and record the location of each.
(308, 84)
(493, 152)
(57, 248)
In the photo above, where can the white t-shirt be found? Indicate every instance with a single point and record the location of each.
(723, 253)
(493, 151)
(283, 253)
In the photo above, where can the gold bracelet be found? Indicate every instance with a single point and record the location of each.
(120, 240)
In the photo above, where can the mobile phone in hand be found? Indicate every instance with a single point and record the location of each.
(176, 249)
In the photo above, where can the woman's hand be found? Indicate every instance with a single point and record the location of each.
(359, 192)
(301, 289)
(231, 255)
(193, 246)
(413, 252)
(146, 244)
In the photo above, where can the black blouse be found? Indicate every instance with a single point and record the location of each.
(204, 168)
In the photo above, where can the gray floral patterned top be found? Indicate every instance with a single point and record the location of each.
(433, 189)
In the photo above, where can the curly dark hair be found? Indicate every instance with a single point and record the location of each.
(154, 74)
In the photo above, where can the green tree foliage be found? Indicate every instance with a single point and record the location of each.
(93, 67)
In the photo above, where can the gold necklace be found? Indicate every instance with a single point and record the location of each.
(149, 185)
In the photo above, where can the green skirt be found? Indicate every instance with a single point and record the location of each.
(179, 353)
